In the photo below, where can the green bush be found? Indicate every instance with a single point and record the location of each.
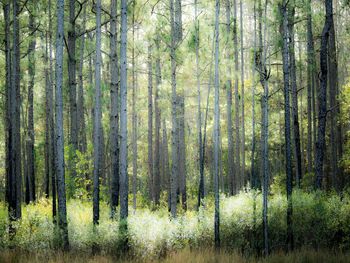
(319, 220)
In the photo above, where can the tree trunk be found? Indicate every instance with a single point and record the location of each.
(310, 85)
(156, 171)
(242, 98)
(150, 124)
(237, 132)
(97, 119)
(73, 139)
(216, 130)
(230, 159)
(335, 124)
(82, 143)
(15, 174)
(166, 164)
(30, 191)
(123, 180)
(182, 152)
(7, 44)
(293, 84)
(174, 170)
(134, 113)
(253, 179)
(62, 210)
(286, 78)
(114, 116)
(322, 95)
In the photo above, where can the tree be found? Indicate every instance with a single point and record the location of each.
(310, 85)
(61, 187)
(242, 95)
(230, 157)
(114, 116)
(123, 179)
(97, 118)
(216, 129)
(294, 91)
(322, 95)
(134, 112)
(260, 61)
(82, 143)
(174, 169)
(150, 124)
(30, 178)
(73, 139)
(237, 133)
(156, 171)
(14, 125)
(199, 117)
(286, 79)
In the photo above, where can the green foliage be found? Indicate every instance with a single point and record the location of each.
(151, 234)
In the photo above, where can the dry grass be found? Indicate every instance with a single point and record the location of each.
(182, 256)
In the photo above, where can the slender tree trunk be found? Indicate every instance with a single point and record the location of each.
(286, 78)
(242, 97)
(150, 124)
(334, 125)
(230, 159)
(166, 164)
(7, 44)
(30, 139)
(51, 113)
(174, 170)
(82, 143)
(237, 132)
(293, 84)
(97, 119)
(310, 85)
(322, 95)
(123, 180)
(182, 152)
(216, 130)
(260, 60)
(134, 113)
(62, 210)
(114, 116)
(73, 139)
(15, 173)
(199, 117)
(156, 172)
(253, 179)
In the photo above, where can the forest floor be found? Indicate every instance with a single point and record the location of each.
(185, 255)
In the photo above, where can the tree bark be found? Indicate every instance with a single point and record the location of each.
(30, 190)
(310, 85)
(156, 172)
(97, 119)
(15, 173)
(174, 170)
(294, 91)
(322, 95)
(114, 115)
(134, 113)
(286, 78)
(61, 189)
(150, 125)
(73, 138)
(123, 180)
(242, 97)
(237, 132)
(216, 130)
(230, 157)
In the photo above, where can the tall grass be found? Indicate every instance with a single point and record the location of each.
(321, 221)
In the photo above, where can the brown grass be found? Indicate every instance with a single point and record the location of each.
(183, 256)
